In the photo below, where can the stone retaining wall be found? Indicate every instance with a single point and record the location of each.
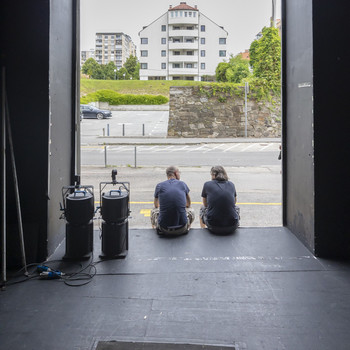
(193, 114)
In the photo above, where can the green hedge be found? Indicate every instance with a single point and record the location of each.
(114, 98)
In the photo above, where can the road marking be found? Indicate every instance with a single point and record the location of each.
(211, 149)
(250, 146)
(234, 146)
(146, 212)
(238, 203)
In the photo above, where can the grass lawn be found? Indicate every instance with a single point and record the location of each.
(152, 87)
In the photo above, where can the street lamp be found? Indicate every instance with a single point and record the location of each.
(124, 76)
(115, 74)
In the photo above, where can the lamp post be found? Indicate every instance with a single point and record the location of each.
(124, 76)
(115, 74)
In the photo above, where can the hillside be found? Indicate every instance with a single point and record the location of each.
(152, 87)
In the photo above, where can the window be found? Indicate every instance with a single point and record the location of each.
(163, 28)
(144, 40)
(202, 28)
(144, 53)
(190, 14)
(163, 65)
(176, 65)
(203, 41)
(172, 14)
(202, 53)
(194, 14)
(202, 65)
(185, 13)
(222, 41)
(177, 53)
(189, 65)
(222, 53)
(189, 53)
(163, 53)
(143, 66)
(189, 28)
(163, 40)
(176, 28)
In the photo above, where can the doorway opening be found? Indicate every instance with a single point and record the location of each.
(136, 141)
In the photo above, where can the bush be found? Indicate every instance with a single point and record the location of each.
(114, 98)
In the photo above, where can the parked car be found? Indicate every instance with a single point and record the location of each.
(87, 111)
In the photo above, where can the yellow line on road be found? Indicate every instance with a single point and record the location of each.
(247, 203)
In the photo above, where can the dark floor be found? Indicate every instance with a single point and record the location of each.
(257, 289)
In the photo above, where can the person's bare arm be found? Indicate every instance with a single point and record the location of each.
(188, 201)
(156, 202)
(205, 202)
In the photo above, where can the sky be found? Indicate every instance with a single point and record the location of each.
(242, 19)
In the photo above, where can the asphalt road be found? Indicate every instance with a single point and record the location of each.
(252, 166)
(226, 154)
(258, 188)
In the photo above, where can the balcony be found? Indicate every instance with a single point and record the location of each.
(183, 71)
(183, 58)
(183, 20)
(183, 46)
(183, 32)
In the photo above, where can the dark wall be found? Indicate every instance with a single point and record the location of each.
(63, 80)
(36, 50)
(331, 126)
(25, 50)
(298, 121)
(315, 124)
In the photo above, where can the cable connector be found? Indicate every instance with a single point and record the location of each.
(49, 275)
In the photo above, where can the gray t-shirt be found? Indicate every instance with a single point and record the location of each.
(172, 202)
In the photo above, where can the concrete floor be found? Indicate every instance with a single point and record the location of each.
(257, 289)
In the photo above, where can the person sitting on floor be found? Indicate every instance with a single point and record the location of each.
(219, 212)
(172, 213)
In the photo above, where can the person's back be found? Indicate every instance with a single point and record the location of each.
(172, 202)
(221, 202)
(219, 212)
(172, 212)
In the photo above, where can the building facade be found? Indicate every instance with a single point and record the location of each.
(85, 55)
(182, 44)
(115, 47)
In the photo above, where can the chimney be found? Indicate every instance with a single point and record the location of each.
(195, 6)
(170, 7)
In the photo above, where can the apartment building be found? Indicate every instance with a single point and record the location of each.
(182, 44)
(84, 55)
(115, 47)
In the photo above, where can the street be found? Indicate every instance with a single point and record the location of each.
(252, 166)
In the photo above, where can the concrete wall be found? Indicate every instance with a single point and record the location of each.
(195, 113)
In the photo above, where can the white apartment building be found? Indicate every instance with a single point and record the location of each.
(84, 55)
(182, 44)
(115, 47)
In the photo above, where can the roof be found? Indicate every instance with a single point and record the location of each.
(183, 6)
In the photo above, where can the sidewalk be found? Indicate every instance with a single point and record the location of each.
(113, 140)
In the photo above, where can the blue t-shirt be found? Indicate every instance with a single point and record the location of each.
(172, 202)
(220, 197)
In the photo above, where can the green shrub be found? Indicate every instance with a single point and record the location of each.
(114, 98)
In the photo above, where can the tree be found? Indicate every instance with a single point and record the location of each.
(238, 70)
(232, 71)
(108, 70)
(132, 66)
(220, 71)
(265, 56)
(89, 67)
